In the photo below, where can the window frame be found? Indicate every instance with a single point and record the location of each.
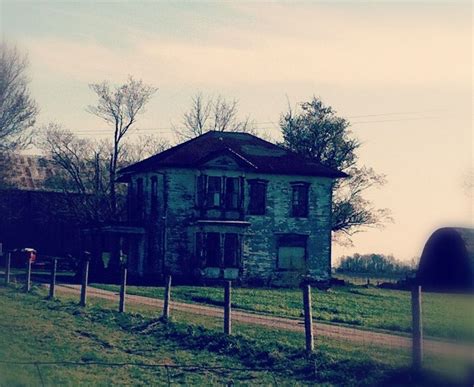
(235, 195)
(291, 240)
(253, 208)
(210, 203)
(300, 208)
(237, 252)
(154, 196)
(202, 248)
(140, 199)
(228, 200)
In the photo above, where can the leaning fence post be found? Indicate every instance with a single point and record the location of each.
(166, 301)
(308, 318)
(227, 308)
(52, 283)
(123, 288)
(28, 274)
(85, 277)
(417, 330)
(7, 267)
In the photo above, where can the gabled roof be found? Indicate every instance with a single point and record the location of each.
(251, 152)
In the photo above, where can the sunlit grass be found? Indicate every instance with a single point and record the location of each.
(445, 316)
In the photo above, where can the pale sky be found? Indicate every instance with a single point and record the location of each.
(401, 72)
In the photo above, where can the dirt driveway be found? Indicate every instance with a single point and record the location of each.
(296, 325)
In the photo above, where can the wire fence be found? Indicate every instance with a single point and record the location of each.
(411, 344)
(167, 373)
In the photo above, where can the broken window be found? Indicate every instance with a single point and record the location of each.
(257, 197)
(214, 186)
(218, 250)
(231, 250)
(292, 252)
(232, 193)
(218, 192)
(299, 200)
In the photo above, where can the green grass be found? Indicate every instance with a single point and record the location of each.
(35, 329)
(444, 316)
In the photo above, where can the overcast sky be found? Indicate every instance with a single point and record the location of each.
(401, 72)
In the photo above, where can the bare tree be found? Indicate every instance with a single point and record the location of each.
(207, 113)
(142, 147)
(120, 107)
(18, 110)
(84, 166)
(84, 174)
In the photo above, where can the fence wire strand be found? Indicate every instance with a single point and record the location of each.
(217, 370)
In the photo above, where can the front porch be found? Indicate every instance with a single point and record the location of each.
(113, 244)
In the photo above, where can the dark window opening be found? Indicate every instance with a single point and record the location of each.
(154, 196)
(130, 201)
(139, 200)
(213, 249)
(232, 193)
(214, 186)
(231, 250)
(292, 252)
(299, 200)
(218, 192)
(257, 197)
(210, 252)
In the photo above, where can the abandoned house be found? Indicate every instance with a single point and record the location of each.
(227, 206)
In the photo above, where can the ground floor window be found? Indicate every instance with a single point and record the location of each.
(291, 251)
(215, 249)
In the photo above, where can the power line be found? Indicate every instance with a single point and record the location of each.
(170, 129)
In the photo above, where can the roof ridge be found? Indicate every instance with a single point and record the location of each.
(173, 148)
(268, 158)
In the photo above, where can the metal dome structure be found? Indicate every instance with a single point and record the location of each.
(447, 261)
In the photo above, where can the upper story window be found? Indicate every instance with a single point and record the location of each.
(130, 200)
(140, 204)
(154, 195)
(214, 187)
(299, 199)
(257, 197)
(232, 193)
(218, 192)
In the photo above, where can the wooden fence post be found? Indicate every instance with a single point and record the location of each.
(7, 267)
(85, 278)
(166, 301)
(227, 308)
(52, 283)
(417, 330)
(308, 318)
(123, 288)
(28, 275)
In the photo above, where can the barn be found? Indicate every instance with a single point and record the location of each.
(447, 261)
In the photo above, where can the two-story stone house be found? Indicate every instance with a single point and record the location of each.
(229, 205)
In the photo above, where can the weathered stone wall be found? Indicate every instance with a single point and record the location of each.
(260, 246)
(178, 214)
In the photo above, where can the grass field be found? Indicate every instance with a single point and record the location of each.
(446, 316)
(34, 329)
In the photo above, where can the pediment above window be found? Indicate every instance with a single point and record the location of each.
(227, 160)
